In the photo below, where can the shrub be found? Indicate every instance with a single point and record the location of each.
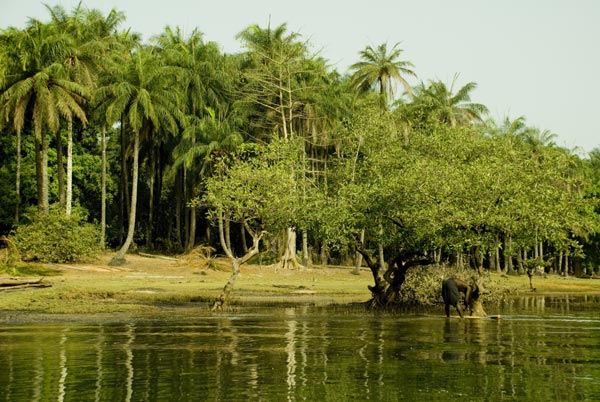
(57, 238)
(424, 283)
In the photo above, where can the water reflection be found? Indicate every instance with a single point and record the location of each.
(538, 351)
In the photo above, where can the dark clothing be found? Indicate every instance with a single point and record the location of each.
(451, 290)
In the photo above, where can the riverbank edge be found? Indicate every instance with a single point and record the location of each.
(150, 286)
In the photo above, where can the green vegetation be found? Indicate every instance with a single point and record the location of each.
(57, 237)
(270, 154)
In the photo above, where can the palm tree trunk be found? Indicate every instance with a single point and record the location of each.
(44, 201)
(103, 184)
(178, 193)
(151, 179)
(119, 258)
(38, 169)
(60, 170)
(124, 194)
(192, 234)
(69, 195)
(18, 178)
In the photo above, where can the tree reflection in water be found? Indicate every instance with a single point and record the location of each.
(539, 350)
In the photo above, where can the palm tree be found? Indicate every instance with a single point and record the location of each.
(380, 70)
(40, 90)
(206, 87)
(144, 96)
(445, 106)
(90, 34)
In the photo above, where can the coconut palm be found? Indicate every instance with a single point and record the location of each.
(144, 96)
(446, 106)
(381, 69)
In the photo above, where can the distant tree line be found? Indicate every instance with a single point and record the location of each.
(172, 143)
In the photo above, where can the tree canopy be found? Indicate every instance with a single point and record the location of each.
(197, 142)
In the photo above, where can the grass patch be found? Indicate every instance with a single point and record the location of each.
(148, 286)
(21, 269)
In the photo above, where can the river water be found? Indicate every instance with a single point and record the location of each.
(540, 349)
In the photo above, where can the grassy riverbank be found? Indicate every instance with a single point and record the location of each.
(147, 285)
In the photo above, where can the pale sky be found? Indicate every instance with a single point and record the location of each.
(532, 58)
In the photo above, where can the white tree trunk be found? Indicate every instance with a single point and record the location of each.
(44, 202)
(288, 260)
(103, 185)
(69, 200)
(18, 178)
(119, 258)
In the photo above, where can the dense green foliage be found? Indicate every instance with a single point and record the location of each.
(272, 140)
(56, 237)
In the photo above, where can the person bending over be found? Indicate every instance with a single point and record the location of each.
(451, 290)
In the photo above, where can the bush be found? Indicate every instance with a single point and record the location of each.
(423, 284)
(57, 238)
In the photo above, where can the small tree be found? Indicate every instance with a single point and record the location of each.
(258, 189)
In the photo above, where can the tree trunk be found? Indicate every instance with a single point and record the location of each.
(124, 185)
(324, 254)
(18, 179)
(178, 207)
(223, 299)
(151, 177)
(288, 260)
(44, 201)
(38, 169)
(358, 255)
(103, 185)
(519, 262)
(69, 195)
(228, 234)
(192, 235)
(497, 252)
(305, 255)
(560, 263)
(119, 258)
(380, 247)
(243, 236)
(186, 211)
(60, 170)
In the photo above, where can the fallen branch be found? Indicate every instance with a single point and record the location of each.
(18, 285)
(160, 257)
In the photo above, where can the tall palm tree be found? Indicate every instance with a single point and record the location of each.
(89, 36)
(206, 89)
(144, 93)
(381, 69)
(446, 106)
(40, 90)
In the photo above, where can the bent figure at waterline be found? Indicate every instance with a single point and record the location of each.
(451, 290)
